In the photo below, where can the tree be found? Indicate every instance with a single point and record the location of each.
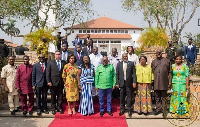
(35, 37)
(36, 11)
(173, 15)
(152, 38)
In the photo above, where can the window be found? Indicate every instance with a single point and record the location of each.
(84, 31)
(103, 31)
(88, 31)
(119, 31)
(111, 31)
(95, 31)
(122, 31)
(107, 31)
(126, 31)
(80, 31)
(72, 31)
(115, 31)
(134, 31)
(99, 31)
(92, 31)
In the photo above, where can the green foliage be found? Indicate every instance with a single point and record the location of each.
(153, 37)
(35, 37)
(170, 14)
(36, 11)
(3, 62)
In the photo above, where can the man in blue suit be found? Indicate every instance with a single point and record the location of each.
(190, 53)
(77, 41)
(79, 55)
(39, 84)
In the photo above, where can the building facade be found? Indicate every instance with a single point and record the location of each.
(106, 33)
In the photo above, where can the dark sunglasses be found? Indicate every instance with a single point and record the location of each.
(42, 57)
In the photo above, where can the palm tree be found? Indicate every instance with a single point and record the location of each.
(10, 28)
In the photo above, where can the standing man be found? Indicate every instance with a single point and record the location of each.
(170, 52)
(96, 60)
(24, 85)
(4, 51)
(54, 80)
(64, 52)
(88, 38)
(114, 60)
(190, 53)
(79, 55)
(131, 56)
(8, 75)
(161, 69)
(126, 80)
(39, 84)
(77, 41)
(105, 81)
(88, 49)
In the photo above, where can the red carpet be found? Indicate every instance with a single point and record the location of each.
(77, 120)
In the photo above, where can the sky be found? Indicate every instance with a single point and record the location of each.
(112, 9)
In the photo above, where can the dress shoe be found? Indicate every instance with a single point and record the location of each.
(130, 113)
(17, 109)
(61, 111)
(24, 113)
(12, 112)
(46, 111)
(139, 113)
(53, 112)
(121, 113)
(110, 113)
(157, 113)
(30, 112)
(39, 113)
(101, 114)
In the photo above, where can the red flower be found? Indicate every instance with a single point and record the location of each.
(67, 85)
(70, 68)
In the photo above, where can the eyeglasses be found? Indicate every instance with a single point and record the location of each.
(42, 57)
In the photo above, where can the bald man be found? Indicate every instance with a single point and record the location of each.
(161, 68)
(105, 81)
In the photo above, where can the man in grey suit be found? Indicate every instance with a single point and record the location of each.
(39, 84)
(55, 81)
(126, 80)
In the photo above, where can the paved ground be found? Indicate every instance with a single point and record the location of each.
(154, 123)
(24, 122)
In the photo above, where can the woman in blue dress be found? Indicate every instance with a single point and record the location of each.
(85, 79)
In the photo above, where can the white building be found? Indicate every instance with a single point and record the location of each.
(107, 33)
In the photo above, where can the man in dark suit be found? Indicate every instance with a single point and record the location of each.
(39, 84)
(126, 80)
(88, 49)
(79, 55)
(190, 53)
(54, 80)
(64, 52)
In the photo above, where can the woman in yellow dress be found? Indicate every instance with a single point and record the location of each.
(71, 85)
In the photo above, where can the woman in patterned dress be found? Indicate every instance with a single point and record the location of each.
(85, 80)
(71, 85)
(144, 79)
(180, 82)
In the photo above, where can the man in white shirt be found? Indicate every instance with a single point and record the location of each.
(95, 57)
(96, 60)
(131, 56)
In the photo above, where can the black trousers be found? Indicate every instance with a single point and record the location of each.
(41, 91)
(161, 102)
(126, 90)
(56, 96)
(116, 93)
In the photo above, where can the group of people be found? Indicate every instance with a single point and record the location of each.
(85, 74)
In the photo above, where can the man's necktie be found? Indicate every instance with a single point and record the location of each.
(125, 68)
(79, 56)
(58, 63)
(42, 66)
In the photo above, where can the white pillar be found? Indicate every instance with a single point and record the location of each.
(109, 47)
(97, 43)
